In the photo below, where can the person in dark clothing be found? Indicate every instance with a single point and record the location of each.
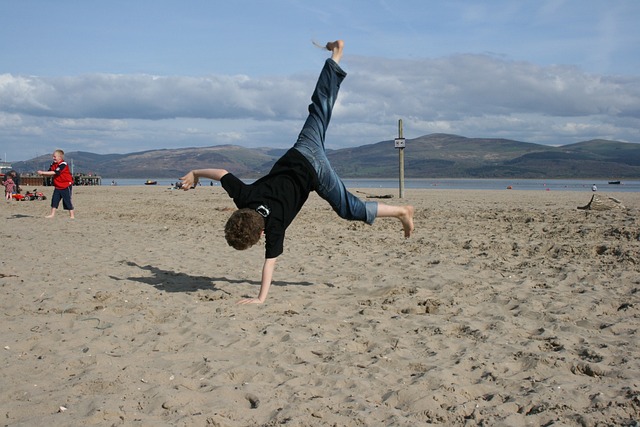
(269, 205)
(16, 179)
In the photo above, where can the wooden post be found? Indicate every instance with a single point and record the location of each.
(400, 144)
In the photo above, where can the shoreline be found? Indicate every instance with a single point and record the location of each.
(392, 184)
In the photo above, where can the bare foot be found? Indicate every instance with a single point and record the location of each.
(49, 216)
(407, 220)
(336, 49)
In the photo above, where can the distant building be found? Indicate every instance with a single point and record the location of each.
(4, 169)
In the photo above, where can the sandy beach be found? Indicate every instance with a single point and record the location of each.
(505, 308)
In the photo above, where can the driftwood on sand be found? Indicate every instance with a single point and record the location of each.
(598, 203)
(374, 196)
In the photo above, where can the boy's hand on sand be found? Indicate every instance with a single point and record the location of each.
(188, 181)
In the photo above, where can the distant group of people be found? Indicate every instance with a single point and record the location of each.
(178, 185)
(63, 181)
(84, 181)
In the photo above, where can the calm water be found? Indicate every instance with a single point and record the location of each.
(447, 184)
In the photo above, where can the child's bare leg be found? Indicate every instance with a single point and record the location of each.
(72, 214)
(403, 213)
(336, 49)
(52, 214)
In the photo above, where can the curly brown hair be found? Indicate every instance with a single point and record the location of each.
(243, 229)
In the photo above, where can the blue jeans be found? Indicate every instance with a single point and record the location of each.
(310, 144)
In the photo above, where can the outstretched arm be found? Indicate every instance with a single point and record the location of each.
(192, 178)
(267, 275)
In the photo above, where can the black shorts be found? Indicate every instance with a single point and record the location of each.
(65, 196)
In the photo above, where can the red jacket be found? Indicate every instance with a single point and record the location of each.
(62, 179)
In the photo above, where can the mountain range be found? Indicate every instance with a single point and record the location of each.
(429, 156)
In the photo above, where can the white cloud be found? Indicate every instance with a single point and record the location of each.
(472, 95)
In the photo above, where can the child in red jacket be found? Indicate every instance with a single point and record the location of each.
(63, 183)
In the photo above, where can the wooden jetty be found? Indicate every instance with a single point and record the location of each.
(30, 180)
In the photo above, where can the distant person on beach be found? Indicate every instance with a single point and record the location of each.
(9, 188)
(15, 176)
(594, 188)
(63, 183)
(269, 205)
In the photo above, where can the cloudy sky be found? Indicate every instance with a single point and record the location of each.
(122, 76)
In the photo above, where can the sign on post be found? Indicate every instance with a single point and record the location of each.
(399, 144)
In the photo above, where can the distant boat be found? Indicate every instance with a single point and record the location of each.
(149, 182)
(614, 182)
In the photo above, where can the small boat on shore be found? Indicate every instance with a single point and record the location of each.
(149, 182)
(614, 182)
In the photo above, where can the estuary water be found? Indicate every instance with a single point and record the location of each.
(445, 184)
